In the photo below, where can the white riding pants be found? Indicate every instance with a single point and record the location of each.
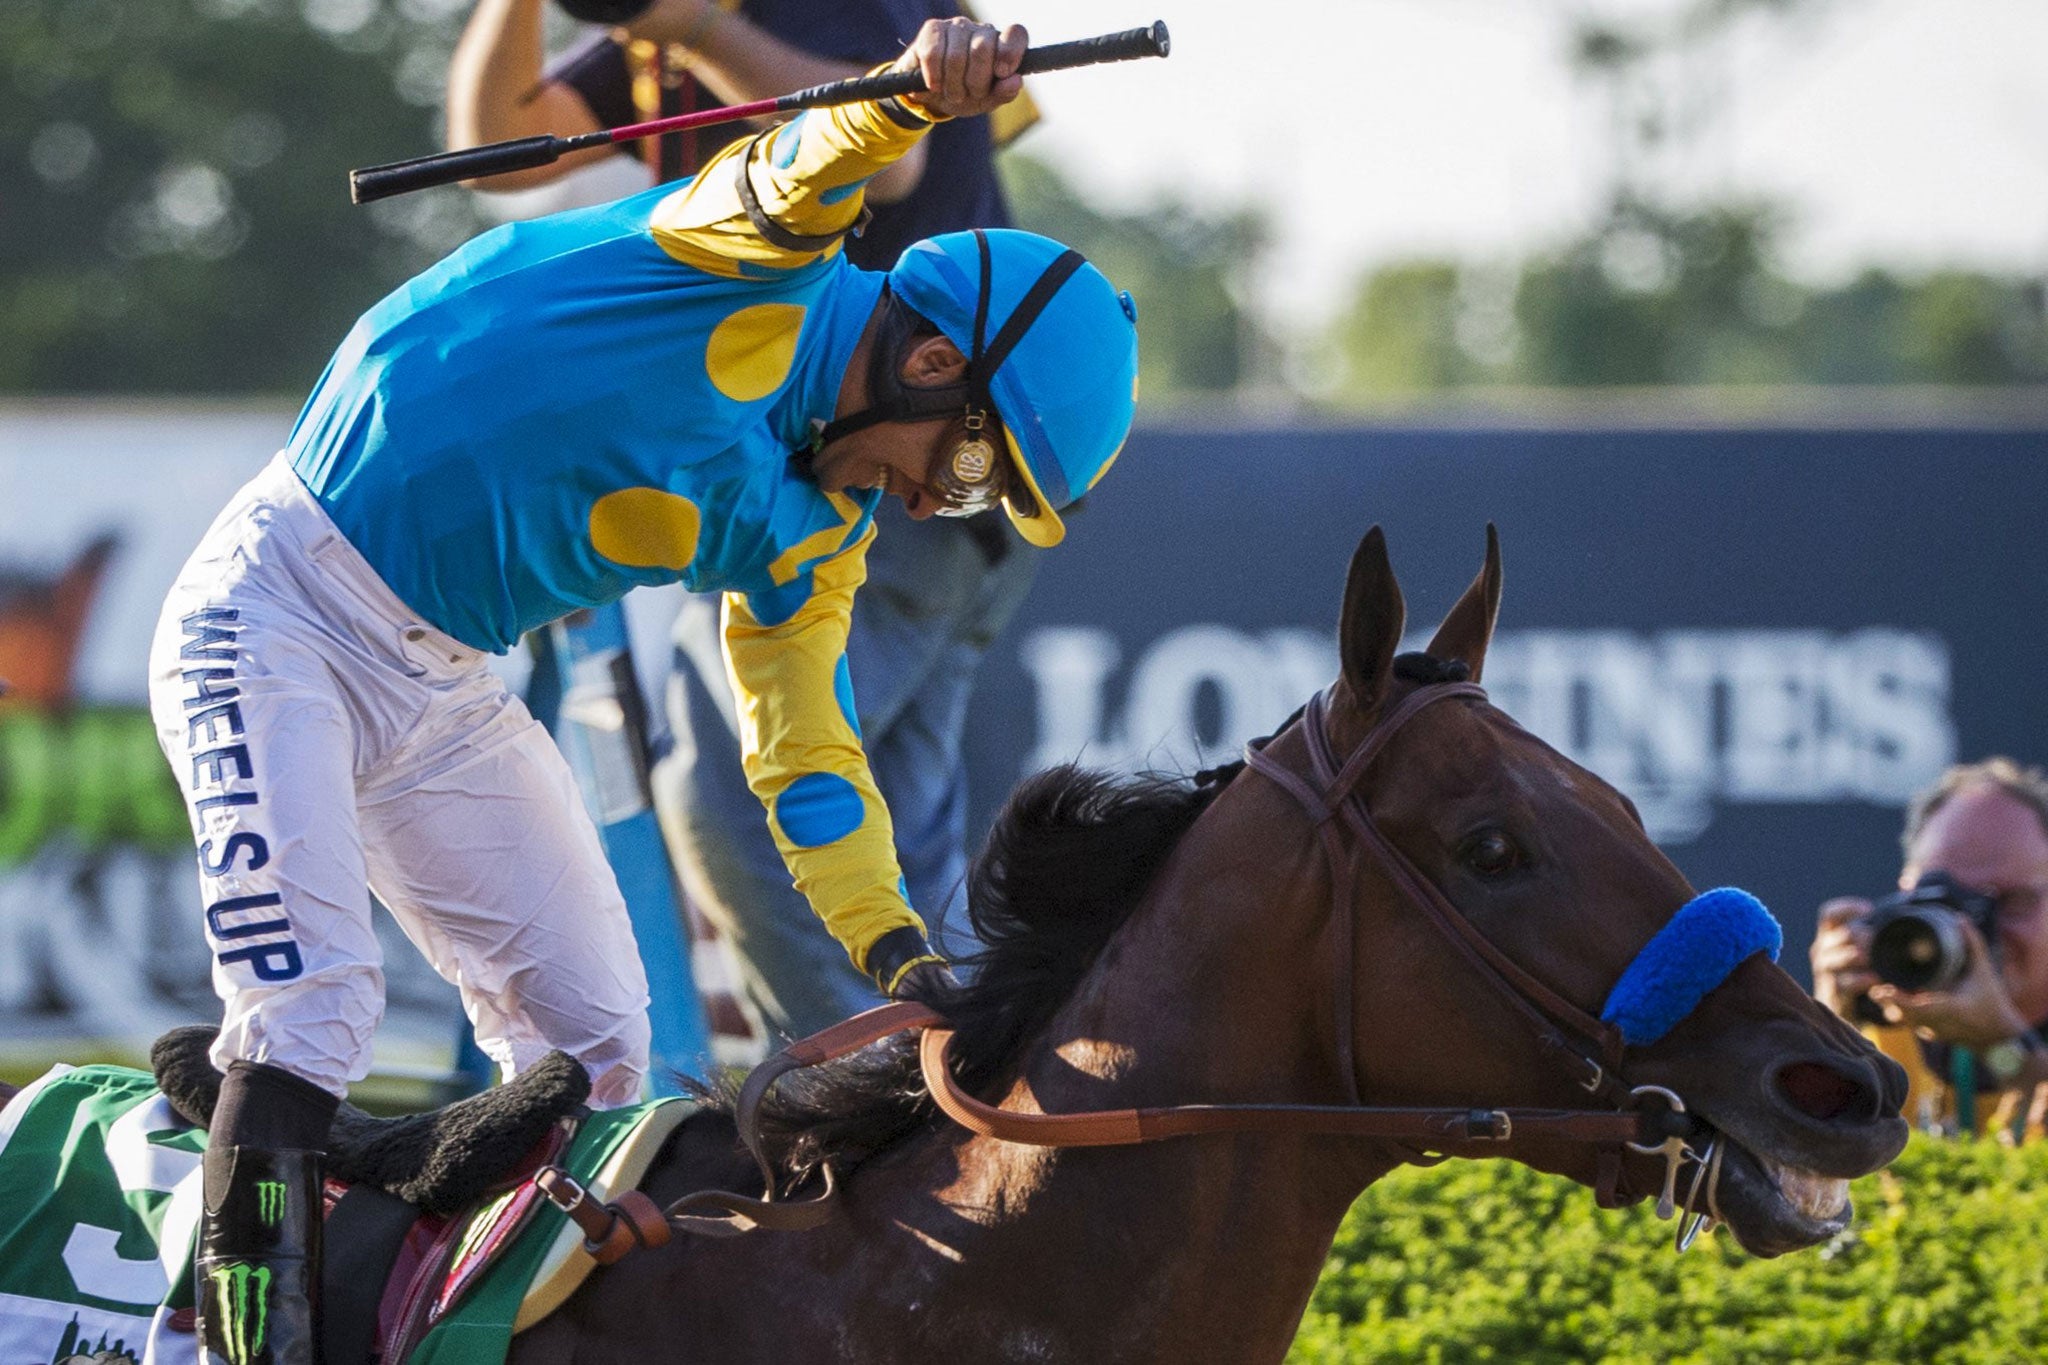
(329, 742)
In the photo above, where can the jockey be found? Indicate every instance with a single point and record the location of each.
(691, 384)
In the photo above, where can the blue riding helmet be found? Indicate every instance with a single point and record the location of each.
(1050, 342)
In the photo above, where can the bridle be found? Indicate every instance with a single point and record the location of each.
(1332, 799)
(1588, 1049)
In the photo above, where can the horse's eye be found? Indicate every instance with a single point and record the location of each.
(1491, 853)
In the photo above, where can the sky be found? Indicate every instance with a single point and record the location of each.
(1900, 132)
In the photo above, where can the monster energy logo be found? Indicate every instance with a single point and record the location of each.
(270, 1202)
(241, 1294)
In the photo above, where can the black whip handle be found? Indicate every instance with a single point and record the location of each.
(1149, 41)
(445, 168)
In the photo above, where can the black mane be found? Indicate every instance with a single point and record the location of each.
(1066, 862)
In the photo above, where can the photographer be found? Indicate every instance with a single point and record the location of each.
(1960, 956)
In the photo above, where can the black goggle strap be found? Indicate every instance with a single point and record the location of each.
(986, 360)
(983, 287)
(886, 389)
(847, 425)
(889, 398)
(988, 356)
(973, 395)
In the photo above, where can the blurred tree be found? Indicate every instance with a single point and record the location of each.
(1186, 270)
(1663, 72)
(176, 215)
(1401, 332)
(1678, 299)
(1963, 328)
(1661, 291)
(1656, 298)
(175, 218)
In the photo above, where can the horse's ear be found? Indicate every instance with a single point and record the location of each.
(1369, 632)
(1467, 631)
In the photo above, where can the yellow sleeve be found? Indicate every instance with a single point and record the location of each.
(786, 198)
(801, 749)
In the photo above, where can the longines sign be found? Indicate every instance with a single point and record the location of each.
(1683, 720)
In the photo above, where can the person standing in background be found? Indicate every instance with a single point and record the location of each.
(938, 591)
(1976, 865)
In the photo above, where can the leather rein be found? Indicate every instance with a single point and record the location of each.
(1585, 1047)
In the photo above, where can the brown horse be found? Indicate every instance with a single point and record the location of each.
(1161, 943)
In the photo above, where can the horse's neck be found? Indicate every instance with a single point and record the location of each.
(953, 1247)
(1197, 1248)
(1202, 1248)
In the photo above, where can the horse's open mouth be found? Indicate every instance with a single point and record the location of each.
(1774, 1207)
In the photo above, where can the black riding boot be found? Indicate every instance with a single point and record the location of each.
(259, 1238)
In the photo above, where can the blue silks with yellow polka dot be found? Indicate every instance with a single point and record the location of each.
(562, 411)
(568, 408)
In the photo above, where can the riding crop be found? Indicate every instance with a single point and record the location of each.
(524, 153)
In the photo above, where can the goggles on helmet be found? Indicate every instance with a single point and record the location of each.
(974, 474)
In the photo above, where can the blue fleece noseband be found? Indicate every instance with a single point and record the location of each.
(1710, 936)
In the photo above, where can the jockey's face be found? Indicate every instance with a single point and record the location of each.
(897, 457)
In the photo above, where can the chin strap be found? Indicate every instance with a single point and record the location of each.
(889, 398)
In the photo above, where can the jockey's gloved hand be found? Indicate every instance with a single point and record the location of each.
(905, 967)
(927, 982)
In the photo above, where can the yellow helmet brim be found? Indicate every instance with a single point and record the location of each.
(1041, 527)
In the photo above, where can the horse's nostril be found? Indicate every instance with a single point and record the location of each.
(1819, 1091)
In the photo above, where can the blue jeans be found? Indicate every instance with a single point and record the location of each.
(932, 604)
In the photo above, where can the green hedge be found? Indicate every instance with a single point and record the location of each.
(1947, 1262)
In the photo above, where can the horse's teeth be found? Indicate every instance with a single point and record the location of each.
(1815, 1196)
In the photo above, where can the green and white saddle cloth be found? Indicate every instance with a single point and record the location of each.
(100, 1202)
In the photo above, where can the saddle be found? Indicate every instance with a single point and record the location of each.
(399, 1248)
(472, 1150)
(440, 1162)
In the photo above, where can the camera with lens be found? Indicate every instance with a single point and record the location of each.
(1916, 937)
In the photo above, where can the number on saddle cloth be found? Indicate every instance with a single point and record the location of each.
(1711, 935)
(99, 1199)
